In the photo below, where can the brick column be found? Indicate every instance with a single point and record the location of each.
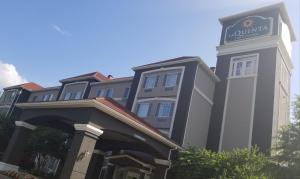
(15, 150)
(80, 153)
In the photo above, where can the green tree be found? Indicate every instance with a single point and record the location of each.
(195, 163)
(45, 142)
(287, 149)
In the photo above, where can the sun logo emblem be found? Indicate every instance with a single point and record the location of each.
(248, 23)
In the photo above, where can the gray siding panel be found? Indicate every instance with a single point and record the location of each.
(205, 83)
(198, 122)
(238, 119)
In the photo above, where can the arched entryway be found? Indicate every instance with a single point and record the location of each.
(104, 144)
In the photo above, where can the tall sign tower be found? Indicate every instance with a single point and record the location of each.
(254, 64)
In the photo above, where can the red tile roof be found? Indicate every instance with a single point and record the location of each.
(27, 86)
(31, 86)
(122, 110)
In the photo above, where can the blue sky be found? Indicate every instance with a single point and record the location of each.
(48, 40)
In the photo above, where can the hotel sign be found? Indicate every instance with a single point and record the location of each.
(249, 27)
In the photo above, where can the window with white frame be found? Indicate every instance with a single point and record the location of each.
(243, 66)
(126, 93)
(51, 97)
(171, 80)
(78, 95)
(101, 93)
(165, 110)
(109, 92)
(67, 96)
(143, 109)
(47, 97)
(150, 82)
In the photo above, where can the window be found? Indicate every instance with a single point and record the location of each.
(51, 97)
(150, 82)
(45, 97)
(171, 80)
(78, 95)
(109, 92)
(34, 98)
(126, 93)
(101, 93)
(244, 66)
(143, 110)
(67, 96)
(164, 110)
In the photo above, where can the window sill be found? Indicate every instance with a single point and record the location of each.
(148, 90)
(236, 77)
(162, 118)
(169, 88)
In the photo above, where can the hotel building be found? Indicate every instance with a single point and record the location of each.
(131, 127)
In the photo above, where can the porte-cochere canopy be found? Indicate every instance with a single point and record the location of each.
(99, 126)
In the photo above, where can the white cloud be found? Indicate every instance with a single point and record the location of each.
(61, 30)
(9, 75)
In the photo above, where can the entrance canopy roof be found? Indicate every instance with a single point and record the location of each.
(111, 108)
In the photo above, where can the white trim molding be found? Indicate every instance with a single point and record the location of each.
(88, 128)
(25, 124)
(162, 162)
(203, 96)
(61, 95)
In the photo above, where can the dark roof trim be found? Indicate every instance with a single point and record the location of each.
(181, 60)
(113, 80)
(95, 75)
(48, 89)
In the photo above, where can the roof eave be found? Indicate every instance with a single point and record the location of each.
(101, 107)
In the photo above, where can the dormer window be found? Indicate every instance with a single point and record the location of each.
(67, 96)
(109, 92)
(78, 95)
(150, 82)
(126, 93)
(48, 97)
(171, 80)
